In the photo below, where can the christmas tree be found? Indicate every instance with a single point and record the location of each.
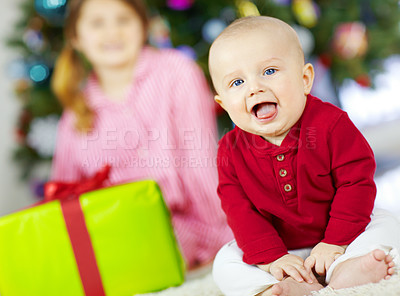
(350, 37)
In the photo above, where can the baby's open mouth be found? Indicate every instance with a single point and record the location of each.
(264, 110)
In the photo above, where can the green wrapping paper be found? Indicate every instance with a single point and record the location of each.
(131, 234)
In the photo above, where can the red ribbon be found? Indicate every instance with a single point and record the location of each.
(68, 194)
(62, 190)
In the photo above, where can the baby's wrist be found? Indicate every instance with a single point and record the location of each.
(265, 267)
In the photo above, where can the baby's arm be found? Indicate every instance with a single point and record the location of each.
(289, 265)
(322, 257)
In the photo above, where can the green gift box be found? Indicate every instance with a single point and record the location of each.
(130, 234)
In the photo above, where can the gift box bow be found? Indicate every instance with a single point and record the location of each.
(62, 190)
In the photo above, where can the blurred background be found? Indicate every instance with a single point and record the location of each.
(354, 46)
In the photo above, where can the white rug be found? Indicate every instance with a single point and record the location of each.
(205, 286)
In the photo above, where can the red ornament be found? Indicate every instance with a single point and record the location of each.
(218, 109)
(364, 80)
(326, 60)
(20, 136)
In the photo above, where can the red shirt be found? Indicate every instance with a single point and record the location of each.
(317, 186)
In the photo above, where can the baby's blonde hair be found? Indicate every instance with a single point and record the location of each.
(245, 24)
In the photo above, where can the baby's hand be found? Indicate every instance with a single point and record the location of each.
(289, 265)
(322, 257)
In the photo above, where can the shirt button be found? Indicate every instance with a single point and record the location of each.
(283, 173)
(288, 188)
(280, 157)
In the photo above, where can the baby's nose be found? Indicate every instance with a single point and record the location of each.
(255, 89)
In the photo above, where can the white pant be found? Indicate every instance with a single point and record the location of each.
(236, 278)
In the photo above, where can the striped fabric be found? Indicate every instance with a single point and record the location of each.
(165, 130)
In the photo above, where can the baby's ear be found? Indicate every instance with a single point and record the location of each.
(217, 98)
(308, 78)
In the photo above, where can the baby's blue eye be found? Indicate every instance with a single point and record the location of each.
(269, 71)
(237, 82)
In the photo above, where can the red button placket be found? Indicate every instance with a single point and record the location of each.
(284, 175)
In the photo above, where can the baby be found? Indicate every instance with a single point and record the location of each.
(295, 174)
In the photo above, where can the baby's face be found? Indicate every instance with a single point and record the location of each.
(261, 81)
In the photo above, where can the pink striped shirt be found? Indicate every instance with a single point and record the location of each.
(164, 130)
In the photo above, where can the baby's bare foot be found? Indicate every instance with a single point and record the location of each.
(370, 268)
(291, 287)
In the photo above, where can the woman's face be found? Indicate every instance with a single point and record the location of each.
(109, 33)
